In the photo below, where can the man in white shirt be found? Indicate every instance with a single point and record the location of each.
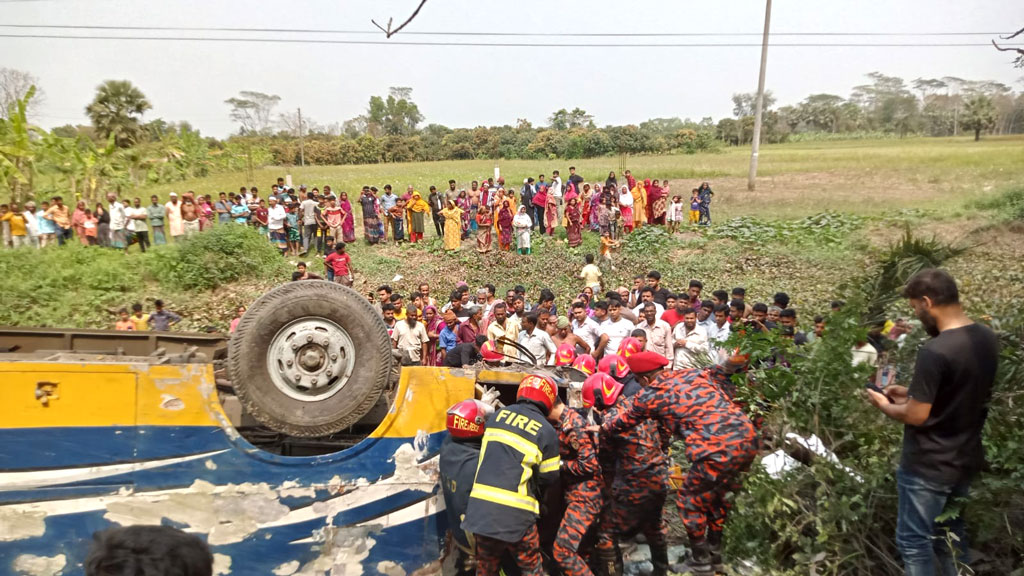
(276, 216)
(118, 222)
(537, 341)
(647, 295)
(659, 333)
(613, 330)
(137, 223)
(720, 330)
(410, 336)
(583, 326)
(555, 189)
(690, 342)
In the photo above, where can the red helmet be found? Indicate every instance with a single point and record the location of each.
(629, 346)
(490, 353)
(733, 361)
(614, 366)
(585, 363)
(565, 354)
(601, 386)
(539, 389)
(466, 419)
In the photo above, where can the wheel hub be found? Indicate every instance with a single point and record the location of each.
(311, 359)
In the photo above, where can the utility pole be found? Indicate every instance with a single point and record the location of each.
(756, 144)
(302, 142)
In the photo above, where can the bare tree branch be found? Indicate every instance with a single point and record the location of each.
(1014, 35)
(389, 32)
(1001, 49)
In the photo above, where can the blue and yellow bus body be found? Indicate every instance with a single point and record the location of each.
(87, 445)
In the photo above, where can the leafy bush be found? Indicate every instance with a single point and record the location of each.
(216, 257)
(827, 518)
(1009, 203)
(825, 228)
(47, 287)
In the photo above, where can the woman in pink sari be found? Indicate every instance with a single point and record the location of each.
(348, 222)
(434, 324)
(205, 210)
(78, 222)
(505, 217)
(626, 208)
(551, 214)
(485, 226)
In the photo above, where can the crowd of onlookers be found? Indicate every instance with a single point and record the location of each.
(686, 326)
(300, 221)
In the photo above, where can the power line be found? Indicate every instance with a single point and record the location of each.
(452, 33)
(500, 44)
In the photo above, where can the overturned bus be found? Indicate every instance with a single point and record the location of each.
(292, 449)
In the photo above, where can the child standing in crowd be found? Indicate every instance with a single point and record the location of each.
(123, 322)
(140, 321)
(674, 214)
(705, 194)
(294, 235)
(341, 264)
(695, 207)
(89, 225)
(397, 213)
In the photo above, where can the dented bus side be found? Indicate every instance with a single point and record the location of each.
(95, 443)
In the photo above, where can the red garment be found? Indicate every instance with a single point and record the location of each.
(672, 317)
(466, 332)
(340, 263)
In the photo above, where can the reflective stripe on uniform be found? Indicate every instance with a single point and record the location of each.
(531, 453)
(505, 498)
(549, 465)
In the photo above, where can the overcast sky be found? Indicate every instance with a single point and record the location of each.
(489, 85)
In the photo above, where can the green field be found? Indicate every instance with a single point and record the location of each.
(862, 177)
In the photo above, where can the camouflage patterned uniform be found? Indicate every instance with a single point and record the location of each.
(581, 477)
(720, 443)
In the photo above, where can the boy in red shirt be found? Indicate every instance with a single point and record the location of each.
(341, 264)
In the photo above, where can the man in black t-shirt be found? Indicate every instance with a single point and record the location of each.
(465, 354)
(943, 412)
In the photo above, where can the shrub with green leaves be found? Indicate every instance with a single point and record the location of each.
(216, 257)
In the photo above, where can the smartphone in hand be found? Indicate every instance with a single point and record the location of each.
(874, 387)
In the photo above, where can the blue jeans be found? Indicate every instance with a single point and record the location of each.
(922, 541)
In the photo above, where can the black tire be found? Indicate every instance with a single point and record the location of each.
(250, 346)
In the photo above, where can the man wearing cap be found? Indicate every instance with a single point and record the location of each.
(564, 334)
(720, 445)
(175, 225)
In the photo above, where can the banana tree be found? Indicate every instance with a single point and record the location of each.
(18, 146)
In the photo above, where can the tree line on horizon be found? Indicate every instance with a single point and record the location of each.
(119, 150)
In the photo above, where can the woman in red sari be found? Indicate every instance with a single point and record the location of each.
(434, 324)
(656, 202)
(505, 217)
(574, 223)
(483, 233)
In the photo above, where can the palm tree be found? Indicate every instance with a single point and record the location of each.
(116, 111)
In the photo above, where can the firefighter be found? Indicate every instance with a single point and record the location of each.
(720, 446)
(617, 367)
(585, 363)
(460, 452)
(565, 354)
(581, 474)
(518, 459)
(639, 485)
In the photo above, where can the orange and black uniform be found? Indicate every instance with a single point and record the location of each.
(720, 443)
(640, 485)
(581, 479)
(518, 458)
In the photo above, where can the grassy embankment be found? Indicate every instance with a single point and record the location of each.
(875, 187)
